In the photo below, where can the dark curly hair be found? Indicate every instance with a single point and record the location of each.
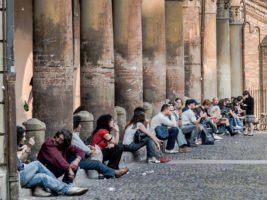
(20, 133)
(103, 123)
(67, 136)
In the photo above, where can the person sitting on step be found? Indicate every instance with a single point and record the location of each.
(190, 124)
(60, 156)
(136, 136)
(88, 164)
(177, 119)
(36, 176)
(108, 143)
(164, 128)
(221, 121)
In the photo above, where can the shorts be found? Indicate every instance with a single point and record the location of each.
(250, 118)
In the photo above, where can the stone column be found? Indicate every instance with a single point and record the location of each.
(35, 128)
(128, 54)
(236, 34)
(148, 110)
(97, 57)
(154, 52)
(210, 49)
(77, 54)
(120, 117)
(53, 64)
(87, 123)
(191, 10)
(223, 50)
(174, 49)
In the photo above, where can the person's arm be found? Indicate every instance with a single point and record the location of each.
(142, 128)
(76, 140)
(76, 151)
(27, 150)
(116, 131)
(166, 121)
(79, 155)
(113, 139)
(193, 118)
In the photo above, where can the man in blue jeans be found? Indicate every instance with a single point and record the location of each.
(160, 122)
(190, 123)
(35, 175)
(88, 164)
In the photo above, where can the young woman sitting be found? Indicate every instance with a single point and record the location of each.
(107, 142)
(148, 139)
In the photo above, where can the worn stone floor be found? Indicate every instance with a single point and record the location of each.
(234, 168)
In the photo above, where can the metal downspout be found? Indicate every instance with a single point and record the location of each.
(10, 101)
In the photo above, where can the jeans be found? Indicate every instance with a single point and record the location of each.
(173, 133)
(235, 121)
(35, 173)
(190, 132)
(101, 168)
(59, 172)
(181, 138)
(113, 155)
(147, 141)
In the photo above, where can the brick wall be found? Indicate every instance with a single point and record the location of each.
(255, 31)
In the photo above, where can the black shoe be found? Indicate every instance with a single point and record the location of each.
(193, 145)
(234, 133)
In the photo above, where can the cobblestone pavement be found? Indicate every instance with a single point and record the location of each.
(174, 180)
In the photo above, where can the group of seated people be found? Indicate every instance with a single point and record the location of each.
(181, 126)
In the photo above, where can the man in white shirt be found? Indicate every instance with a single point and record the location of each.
(160, 120)
(190, 123)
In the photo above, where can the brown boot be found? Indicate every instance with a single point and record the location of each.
(121, 172)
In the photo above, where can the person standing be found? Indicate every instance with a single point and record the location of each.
(248, 103)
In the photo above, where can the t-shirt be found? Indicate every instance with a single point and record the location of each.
(98, 138)
(215, 111)
(159, 120)
(188, 117)
(129, 133)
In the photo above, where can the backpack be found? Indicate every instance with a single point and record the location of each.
(207, 137)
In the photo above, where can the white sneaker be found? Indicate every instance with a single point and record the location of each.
(153, 160)
(76, 191)
(216, 137)
(238, 127)
(40, 192)
(173, 151)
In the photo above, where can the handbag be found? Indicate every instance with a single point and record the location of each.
(139, 136)
(162, 132)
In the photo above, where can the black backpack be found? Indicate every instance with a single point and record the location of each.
(207, 136)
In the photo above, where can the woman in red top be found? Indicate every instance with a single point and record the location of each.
(107, 142)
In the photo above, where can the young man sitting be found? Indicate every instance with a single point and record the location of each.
(160, 123)
(88, 164)
(36, 176)
(190, 124)
(177, 119)
(60, 156)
